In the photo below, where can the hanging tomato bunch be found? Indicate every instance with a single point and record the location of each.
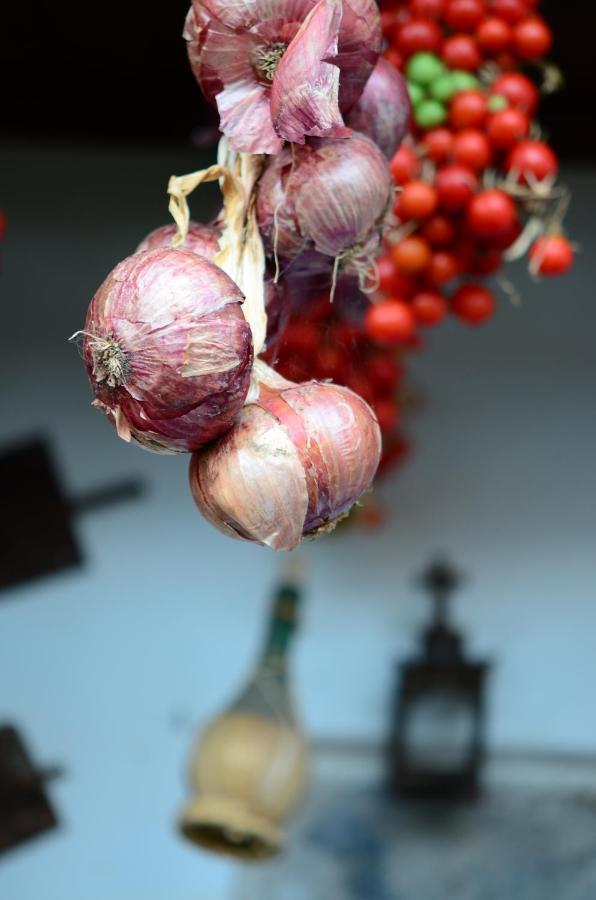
(476, 181)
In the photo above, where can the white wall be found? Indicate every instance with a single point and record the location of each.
(109, 670)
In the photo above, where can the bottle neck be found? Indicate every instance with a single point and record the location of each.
(283, 622)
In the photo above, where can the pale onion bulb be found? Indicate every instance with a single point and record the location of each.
(292, 465)
(168, 350)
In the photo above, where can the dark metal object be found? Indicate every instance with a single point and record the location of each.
(25, 810)
(436, 745)
(36, 532)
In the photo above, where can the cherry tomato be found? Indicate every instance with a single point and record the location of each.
(461, 52)
(395, 58)
(405, 165)
(493, 35)
(512, 11)
(429, 307)
(532, 38)
(455, 186)
(506, 127)
(418, 200)
(491, 213)
(301, 336)
(472, 148)
(390, 322)
(439, 231)
(534, 158)
(384, 372)
(360, 384)
(438, 143)
(387, 414)
(387, 20)
(427, 9)
(473, 303)
(519, 91)
(551, 254)
(332, 362)
(463, 15)
(411, 255)
(386, 272)
(485, 262)
(442, 268)
(417, 36)
(468, 109)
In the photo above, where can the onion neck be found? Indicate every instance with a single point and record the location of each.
(109, 361)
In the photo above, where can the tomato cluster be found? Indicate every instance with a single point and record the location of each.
(473, 172)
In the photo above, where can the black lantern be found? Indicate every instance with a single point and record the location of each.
(437, 739)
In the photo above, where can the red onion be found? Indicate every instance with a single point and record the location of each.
(282, 69)
(201, 239)
(383, 109)
(204, 240)
(168, 350)
(293, 464)
(330, 196)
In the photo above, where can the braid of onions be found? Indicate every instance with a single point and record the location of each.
(172, 337)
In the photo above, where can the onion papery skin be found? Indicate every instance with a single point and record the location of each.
(330, 199)
(327, 51)
(201, 239)
(293, 464)
(173, 323)
(383, 110)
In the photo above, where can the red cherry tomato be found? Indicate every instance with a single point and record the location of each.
(418, 200)
(360, 384)
(512, 11)
(463, 15)
(485, 262)
(473, 303)
(532, 38)
(468, 109)
(301, 337)
(442, 268)
(411, 255)
(491, 214)
(385, 271)
(438, 143)
(534, 158)
(387, 20)
(461, 52)
(455, 186)
(332, 362)
(471, 148)
(506, 127)
(418, 36)
(429, 307)
(551, 254)
(493, 35)
(404, 166)
(519, 91)
(383, 372)
(427, 9)
(395, 58)
(439, 231)
(390, 322)
(387, 414)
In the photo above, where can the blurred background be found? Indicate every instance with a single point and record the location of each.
(110, 667)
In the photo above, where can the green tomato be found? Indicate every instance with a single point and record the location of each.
(416, 93)
(464, 81)
(443, 88)
(497, 102)
(423, 68)
(429, 113)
